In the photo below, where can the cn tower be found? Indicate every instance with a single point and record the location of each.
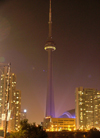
(50, 47)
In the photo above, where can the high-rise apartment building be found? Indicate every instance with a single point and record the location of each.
(17, 109)
(87, 108)
(10, 101)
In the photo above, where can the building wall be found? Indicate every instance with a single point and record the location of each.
(17, 109)
(87, 108)
(59, 124)
(14, 97)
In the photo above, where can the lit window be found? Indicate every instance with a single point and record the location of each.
(17, 102)
(80, 103)
(98, 96)
(96, 122)
(14, 93)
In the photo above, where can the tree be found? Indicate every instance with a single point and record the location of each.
(18, 134)
(93, 133)
(79, 135)
(29, 131)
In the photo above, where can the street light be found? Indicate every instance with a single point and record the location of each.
(25, 110)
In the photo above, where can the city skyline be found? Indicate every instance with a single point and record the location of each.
(76, 63)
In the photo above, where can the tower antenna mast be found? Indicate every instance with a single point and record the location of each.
(50, 22)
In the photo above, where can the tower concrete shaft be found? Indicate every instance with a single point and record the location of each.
(50, 111)
(49, 47)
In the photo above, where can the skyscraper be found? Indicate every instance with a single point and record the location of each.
(50, 47)
(10, 101)
(87, 108)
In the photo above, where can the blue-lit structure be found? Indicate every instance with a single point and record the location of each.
(68, 114)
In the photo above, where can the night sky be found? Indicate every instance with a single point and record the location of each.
(76, 62)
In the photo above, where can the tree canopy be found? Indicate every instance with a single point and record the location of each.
(28, 130)
(93, 133)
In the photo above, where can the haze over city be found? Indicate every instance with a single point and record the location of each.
(76, 62)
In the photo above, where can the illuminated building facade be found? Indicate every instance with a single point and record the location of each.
(59, 124)
(50, 47)
(87, 108)
(66, 121)
(14, 101)
(17, 114)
